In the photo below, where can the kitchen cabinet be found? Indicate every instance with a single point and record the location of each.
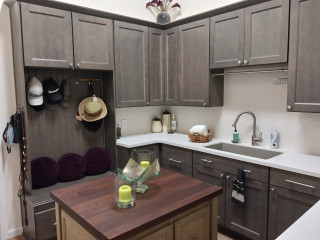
(124, 154)
(176, 159)
(256, 35)
(93, 42)
(291, 195)
(165, 233)
(222, 172)
(171, 66)
(156, 66)
(47, 37)
(193, 82)
(131, 61)
(304, 57)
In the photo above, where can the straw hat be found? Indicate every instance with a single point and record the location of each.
(92, 109)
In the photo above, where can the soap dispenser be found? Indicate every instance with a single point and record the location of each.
(235, 138)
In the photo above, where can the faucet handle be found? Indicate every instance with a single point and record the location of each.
(260, 137)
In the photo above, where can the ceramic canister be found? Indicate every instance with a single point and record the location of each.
(156, 125)
(166, 121)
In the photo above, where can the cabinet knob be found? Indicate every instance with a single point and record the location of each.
(78, 65)
(239, 62)
(71, 65)
(175, 103)
(148, 103)
(55, 226)
(289, 107)
(227, 177)
(221, 175)
(204, 104)
(245, 62)
(272, 190)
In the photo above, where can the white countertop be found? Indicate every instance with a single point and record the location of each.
(289, 161)
(306, 227)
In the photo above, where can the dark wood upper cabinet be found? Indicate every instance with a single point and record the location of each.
(47, 37)
(227, 39)
(304, 57)
(156, 66)
(171, 75)
(266, 33)
(93, 42)
(131, 61)
(252, 36)
(193, 83)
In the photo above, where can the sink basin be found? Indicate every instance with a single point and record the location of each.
(246, 151)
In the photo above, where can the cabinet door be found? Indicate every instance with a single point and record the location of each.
(194, 226)
(177, 159)
(193, 84)
(165, 233)
(171, 66)
(47, 37)
(156, 66)
(131, 64)
(249, 220)
(304, 57)
(214, 177)
(285, 207)
(227, 39)
(266, 33)
(93, 42)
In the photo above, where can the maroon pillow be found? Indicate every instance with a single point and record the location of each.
(97, 161)
(44, 172)
(72, 167)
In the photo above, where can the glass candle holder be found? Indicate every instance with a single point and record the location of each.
(145, 159)
(124, 193)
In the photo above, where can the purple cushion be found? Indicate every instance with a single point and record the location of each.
(72, 167)
(44, 172)
(97, 161)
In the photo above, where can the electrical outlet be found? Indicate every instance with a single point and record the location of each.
(123, 123)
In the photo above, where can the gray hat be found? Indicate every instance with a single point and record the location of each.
(34, 92)
(65, 87)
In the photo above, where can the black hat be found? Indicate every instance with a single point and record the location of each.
(51, 90)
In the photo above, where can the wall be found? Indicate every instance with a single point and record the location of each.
(10, 220)
(255, 92)
(137, 8)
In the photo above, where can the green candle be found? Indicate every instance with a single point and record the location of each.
(125, 193)
(144, 163)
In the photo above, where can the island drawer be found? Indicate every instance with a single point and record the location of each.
(296, 182)
(252, 171)
(177, 159)
(46, 224)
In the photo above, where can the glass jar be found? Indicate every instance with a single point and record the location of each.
(124, 188)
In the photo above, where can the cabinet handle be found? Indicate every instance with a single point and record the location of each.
(221, 175)
(227, 177)
(301, 184)
(289, 107)
(272, 190)
(247, 171)
(78, 65)
(204, 104)
(71, 65)
(148, 103)
(55, 226)
(173, 160)
(205, 160)
(245, 62)
(239, 62)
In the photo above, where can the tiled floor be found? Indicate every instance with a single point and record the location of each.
(220, 237)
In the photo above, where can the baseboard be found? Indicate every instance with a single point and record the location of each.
(15, 232)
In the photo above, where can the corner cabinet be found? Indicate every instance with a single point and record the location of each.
(304, 57)
(48, 42)
(256, 35)
(131, 61)
(193, 82)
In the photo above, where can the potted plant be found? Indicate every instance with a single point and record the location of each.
(163, 7)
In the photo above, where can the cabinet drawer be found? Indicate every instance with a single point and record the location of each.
(46, 224)
(177, 160)
(294, 181)
(252, 171)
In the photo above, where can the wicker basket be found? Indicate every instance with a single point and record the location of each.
(200, 138)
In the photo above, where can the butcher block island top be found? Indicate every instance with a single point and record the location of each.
(171, 199)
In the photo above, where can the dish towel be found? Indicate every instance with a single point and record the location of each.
(238, 191)
(203, 129)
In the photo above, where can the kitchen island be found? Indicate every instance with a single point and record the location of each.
(174, 207)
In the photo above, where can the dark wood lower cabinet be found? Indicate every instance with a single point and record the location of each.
(249, 220)
(214, 177)
(285, 207)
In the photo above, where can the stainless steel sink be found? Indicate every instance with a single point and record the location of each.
(246, 151)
